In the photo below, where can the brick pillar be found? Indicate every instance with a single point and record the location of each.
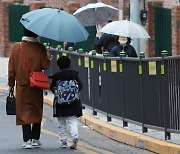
(4, 27)
(36, 5)
(151, 27)
(124, 8)
(176, 30)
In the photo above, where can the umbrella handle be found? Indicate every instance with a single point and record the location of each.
(97, 33)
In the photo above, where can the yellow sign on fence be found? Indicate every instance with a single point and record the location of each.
(79, 61)
(113, 66)
(152, 68)
(104, 66)
(86, 62)
(92, 64)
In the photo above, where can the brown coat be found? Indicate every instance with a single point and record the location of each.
(29, 101)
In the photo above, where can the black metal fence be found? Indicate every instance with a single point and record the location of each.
(144, 91)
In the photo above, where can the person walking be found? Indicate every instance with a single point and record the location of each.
(29, 101)
(66, 113)
(123, 44)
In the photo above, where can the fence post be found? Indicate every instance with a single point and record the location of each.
(80, 50)
(122, 54)
(92, 80)
(58, 48)
(106, 54)
(141, 55)
(164, 53)
(48, 46)
(70, 49)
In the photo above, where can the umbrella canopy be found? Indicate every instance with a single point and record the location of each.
(95, 14)
(54, 24)
(125, 28)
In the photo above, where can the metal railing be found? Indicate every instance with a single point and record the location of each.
(144, 91)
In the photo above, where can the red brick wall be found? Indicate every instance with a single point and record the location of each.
(113, 3)
(151, 28)
(68, 5)
(172, 4)
(126, 9)
(36, 5)
(4, 42)
(72, 5)
(124, 5)
(2, 29)
(5, 45)
(176, 30)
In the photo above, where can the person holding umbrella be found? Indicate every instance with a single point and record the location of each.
(104, 43)
(29, 101)
(125, 30)
(123, 44)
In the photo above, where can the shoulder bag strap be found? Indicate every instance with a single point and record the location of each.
(25, 59)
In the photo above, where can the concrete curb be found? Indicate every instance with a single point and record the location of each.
(126, 136)
(122, 135)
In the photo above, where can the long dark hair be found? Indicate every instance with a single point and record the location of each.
(128, 40)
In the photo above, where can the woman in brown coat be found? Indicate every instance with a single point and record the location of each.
(29, 101)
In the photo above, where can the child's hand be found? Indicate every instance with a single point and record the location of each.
(49, 56)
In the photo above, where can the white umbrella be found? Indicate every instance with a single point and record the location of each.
(95, 14)
(125, 28)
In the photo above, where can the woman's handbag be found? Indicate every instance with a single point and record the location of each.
(37, 79)
(11, 104)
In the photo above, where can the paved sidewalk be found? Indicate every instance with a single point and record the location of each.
(132, 135)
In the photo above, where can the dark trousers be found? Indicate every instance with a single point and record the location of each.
(31, 132)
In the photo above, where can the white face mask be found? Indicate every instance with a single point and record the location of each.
(122, 41)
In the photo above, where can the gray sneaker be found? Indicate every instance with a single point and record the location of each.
(74, 143)
(27, 145)
(36, 143)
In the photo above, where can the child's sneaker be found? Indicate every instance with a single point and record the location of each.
(63, 143)
(74, 143)
(27, 145)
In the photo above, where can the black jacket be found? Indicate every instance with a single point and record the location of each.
(75, 108)
(128, 49)
(107, 41)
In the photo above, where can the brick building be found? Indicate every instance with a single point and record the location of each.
(123, 6)
(174, 7)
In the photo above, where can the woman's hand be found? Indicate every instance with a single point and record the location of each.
(11, 89)
(49, 56)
